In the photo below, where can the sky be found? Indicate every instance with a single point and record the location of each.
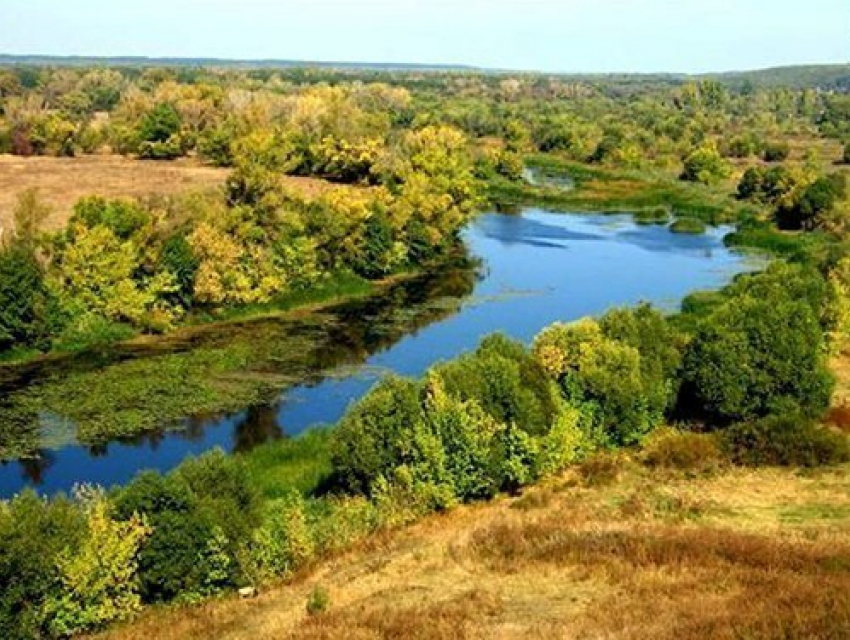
(544, 35)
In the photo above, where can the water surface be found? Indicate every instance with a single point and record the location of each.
(538, 267)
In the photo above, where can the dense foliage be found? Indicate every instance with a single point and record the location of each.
(402, 159)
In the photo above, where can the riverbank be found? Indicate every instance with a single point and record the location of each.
(599, 189)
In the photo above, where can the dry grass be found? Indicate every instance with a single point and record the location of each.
(63, 181)
(736, 554)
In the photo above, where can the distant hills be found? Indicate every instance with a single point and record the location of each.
(825, 76)
(821, 76)
(142, 61)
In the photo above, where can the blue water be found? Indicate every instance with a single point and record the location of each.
(539, 268)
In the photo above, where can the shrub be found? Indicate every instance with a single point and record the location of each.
(604, 376)
(775, 151)
(467, 435)
(338, 522)
(284, 542)
(518, 455)
(318, 601)
(202, 517)
(659, 215)
(685, 450)
(751, 185)
(809, 208)
(123, 217)
(28, 310)
(788, 440)
(702, 303)
(158, 131)
(175, 562)
(705, 165)
(688, 225)
(601, 469)
(177, 258)
(648, 331)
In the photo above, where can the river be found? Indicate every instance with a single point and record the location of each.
(537, 267)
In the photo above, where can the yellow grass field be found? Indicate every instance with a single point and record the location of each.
(63, 181)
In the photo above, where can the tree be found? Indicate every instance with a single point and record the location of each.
(705, 165)
(816, 200)
(99, 577)
(27, 305)
(506, 381)
(25, 301)
(605, 376)
(754, 353)
(33, 534)
(374, 437)
(751, 185)
(158, 133)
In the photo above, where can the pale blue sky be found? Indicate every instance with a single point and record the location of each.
(549, 35)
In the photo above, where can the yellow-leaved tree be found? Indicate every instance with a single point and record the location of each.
(100, 579)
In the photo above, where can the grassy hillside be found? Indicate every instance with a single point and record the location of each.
(611, 549)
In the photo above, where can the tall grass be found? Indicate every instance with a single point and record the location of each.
(302, 463)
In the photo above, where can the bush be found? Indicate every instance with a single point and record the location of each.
(605, 376)
(467, 435)
(318, 601)
(159, 124)
(177, 258)
(685, 450)
(28, 310)
(158, 133)
(788, 440)
(808, 209)
(99, 578)
(123, 217)
(705, 165)
(284, 542)
(688, 225)
(775, 151)
(203, 516)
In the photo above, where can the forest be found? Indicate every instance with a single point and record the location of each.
(406, 159)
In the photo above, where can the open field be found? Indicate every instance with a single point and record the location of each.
(628, 554)
(63, 181)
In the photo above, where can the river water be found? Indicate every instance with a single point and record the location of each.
(537, 267)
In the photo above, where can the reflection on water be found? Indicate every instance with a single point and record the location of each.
(539, 268)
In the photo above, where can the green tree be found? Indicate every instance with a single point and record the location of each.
(754, 353)
(705, 165)
(34, 533)
(374, 437)
(158, 133)
(816, 201)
